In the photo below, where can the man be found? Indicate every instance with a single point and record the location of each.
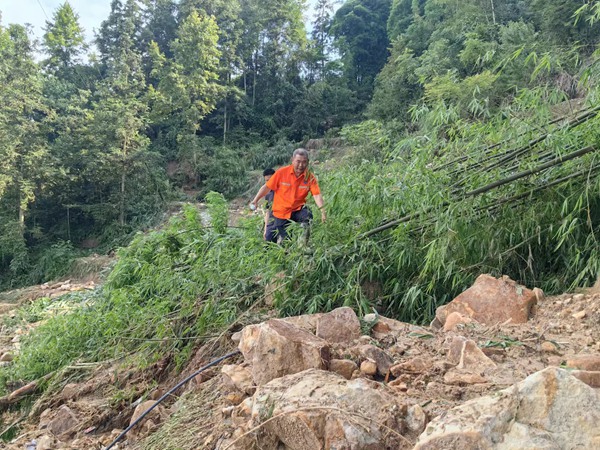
(291, 185)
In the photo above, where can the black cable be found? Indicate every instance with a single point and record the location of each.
(215, 362)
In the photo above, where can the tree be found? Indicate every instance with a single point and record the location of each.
(360, 34)
(23, 150)
(188, 87)
(64, 39)
(321, 39)
(230, 28)
(120, 111)
(397, 86)
(122, 28)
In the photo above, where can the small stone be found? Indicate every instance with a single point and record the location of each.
(555, 361)
(578, 297)
(456, 320)
(63, 421)
(226, 412)
(6, 357)
(579, 315)
(45, 443)
(381, 358)
(234, 398)
(399, 385)
(454, 377)
(343, 367)
(416, 419)
(368, 367)
(415, 365)
(549, 347)
(236, 337)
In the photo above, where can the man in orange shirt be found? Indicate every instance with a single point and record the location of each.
(291, 185)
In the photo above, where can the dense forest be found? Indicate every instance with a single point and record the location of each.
(97, 138)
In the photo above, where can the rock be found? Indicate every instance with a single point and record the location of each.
(307, 322)
(234, 398)
(491, 301)
(322, 410)
(467, 356)
(550, 409)
(548, 347)
(236, 337)
(381, 358)
(238, 377)
(589, 377)
(368, 367)
(343, 367)
(416, 365)
(45, 443)
(458, 377)
(155, 415)
(579, 315)
(416, 419)
(384, 326)
(435, 324)
(64, 420)
(584, 362)
(202, 377)
(578, 297)
(456, 320)
(555, 360)
(276, 348)
(399, 385)
(7, 357)
(339, 326)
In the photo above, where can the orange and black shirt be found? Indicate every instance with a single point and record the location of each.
(291, 191)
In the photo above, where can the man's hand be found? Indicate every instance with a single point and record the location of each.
(323, 215)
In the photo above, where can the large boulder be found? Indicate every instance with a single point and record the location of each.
(276, 348)
(550, 409)
(491, 301)
(315, 410)
(339, 326)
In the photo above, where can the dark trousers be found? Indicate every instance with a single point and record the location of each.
(277, 228)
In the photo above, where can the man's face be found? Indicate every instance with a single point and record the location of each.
(267, 177)
(299, 163)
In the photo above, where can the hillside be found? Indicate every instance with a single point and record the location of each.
(430, 373)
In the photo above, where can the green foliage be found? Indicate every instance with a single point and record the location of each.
(218, 211)
(64, 39)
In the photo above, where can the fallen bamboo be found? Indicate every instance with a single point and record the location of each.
(483, 189)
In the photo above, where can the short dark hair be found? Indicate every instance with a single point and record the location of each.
(268, 171)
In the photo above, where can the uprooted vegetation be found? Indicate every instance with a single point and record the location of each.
(409, 228)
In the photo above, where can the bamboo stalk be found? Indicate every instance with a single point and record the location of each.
(483, 189)
(582, 118)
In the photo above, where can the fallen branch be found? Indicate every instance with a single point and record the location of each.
(16, 395)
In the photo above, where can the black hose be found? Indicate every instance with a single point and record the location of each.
(213, 363)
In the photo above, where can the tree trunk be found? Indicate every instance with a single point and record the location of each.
(122, 205)
(493, 12)
(225, 123)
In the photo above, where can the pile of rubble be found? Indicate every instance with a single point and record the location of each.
(318, 382)
(501, 367)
